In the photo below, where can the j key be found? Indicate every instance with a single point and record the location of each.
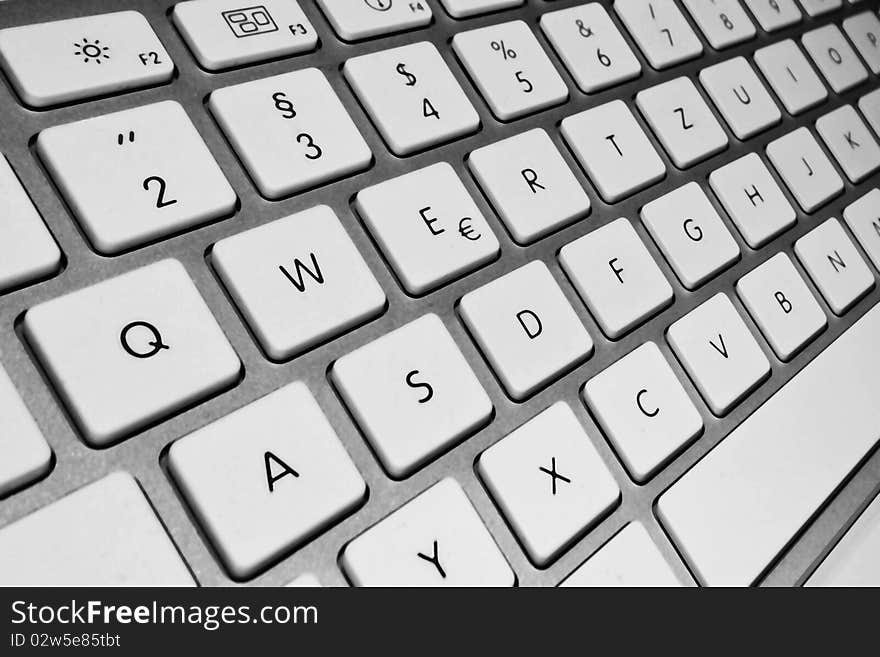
(26, 456)
(258, 499)
(850, 142)
(724, 23)
(298, 281)
(27, 250)
(863, 219)
(806, 170)
(135, 176)
(466, 8)
(834, 57)
(354, 21)
(131, 350)
(773, 15)
(291, 131)
(225, 34)
(661, 31)
(436, 539)
(411, 96)
(511, 70)
(84, 57)
(104, 534)
(743, 101)
(793, 79)
(864, 31)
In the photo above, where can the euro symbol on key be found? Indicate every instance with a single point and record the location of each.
(465, 227)
(155, 344)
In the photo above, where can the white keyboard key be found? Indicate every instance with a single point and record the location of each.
(549, 482)
(719, 353)
(529, 184)
(853, 560)
(354, 21)
(137, 175)
(782, 305)
(526, 328)
(306, 580)
(660, 30)
(694, 239)
(26, 455)
(511, 70)
(590, 46)
(27, 249)
(738, 507)
(869, 104)
(222, 34)
(723, 22)
(257, 499)
(806, 170)
(104, 534)
(789, 73)
(628, 559)
(411, 96)
(299, 281)
(291, 131)
(83, 57)
(131, 350)
(835, 265)
(864, 31)
(743, 101)
(850, 142)
(644, 410)
(428, 227)
(752, 199)
(819, 7)
(414, 376)
(682, 121)
(613, 149)
(834, 57)
(465, 8)
(863, 219)
(774, 14)
(616, 277)
(435, 539)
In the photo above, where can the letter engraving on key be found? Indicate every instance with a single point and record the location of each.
(154, 341)
(435, 560)
(299, 268)
(554, 475)
(465, 227)
(617, 271)
(283, 105)
(651, 413)
(745, 99)
(430, 220)
(685, 124)
(784, 303)
(836, 261)
(614, 143)
(807, 164)
(149, 58)
(753, 195)
(697, 233)
(285, 470)
(835, 56)
(849, 140)
(722, 349)
(532, 328)
(531, 178)
(429, 390)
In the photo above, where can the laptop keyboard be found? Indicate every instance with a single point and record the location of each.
(447, 292)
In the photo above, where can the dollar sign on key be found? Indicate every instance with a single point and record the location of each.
(410, 78)
(283, 105)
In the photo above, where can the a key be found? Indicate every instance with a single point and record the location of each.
(511, 70)
(724, 23)
(743, 101)
(435, 539)
(291, 131)
(643, 410)
(613, 149)
(298, 281)
(740, 506)
(81, 58)
(131, 350)
(864, 31)
(104, 534)
(466, 8)
(258, 499)
(719, 353)
(850, 142)
(590, 46)
(752, 199)
(793, 79)
(529, 184)
(853, 560)
(691, 235)
(136, 176)
(354, 21)
(834, 57)
(774, 15)
(660, 30)
(616, 277)
(835, 265)
(782, 305)
(411, 96)
(526, 328)
(549, 482)
(863, 219)
(415, 376)
(805, 169)
(629, 559)
(26, 455)
(428, 227)
(27, 250)
(818, 7)
(682, 121)
(869, 104)
(226, 33)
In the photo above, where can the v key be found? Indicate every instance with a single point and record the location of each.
(722, 349)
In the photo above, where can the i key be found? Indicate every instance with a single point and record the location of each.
(791, 76)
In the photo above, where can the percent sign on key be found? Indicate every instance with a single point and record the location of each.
(507, 53)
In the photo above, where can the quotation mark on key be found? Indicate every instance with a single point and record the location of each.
(120, 138)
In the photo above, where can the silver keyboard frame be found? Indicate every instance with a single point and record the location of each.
(75, 464)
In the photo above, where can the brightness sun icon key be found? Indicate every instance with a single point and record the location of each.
(91, 51)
